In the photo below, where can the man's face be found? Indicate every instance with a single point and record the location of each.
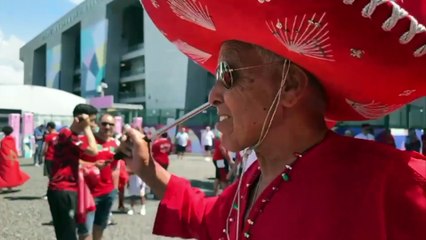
(107, 125)
(93, 124)
(243, 107)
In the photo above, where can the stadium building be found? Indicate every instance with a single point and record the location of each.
(110, 50)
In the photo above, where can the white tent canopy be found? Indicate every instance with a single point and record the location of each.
(38, 100)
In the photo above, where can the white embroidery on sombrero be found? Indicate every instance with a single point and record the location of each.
(420, 52)
(398, 13)
(194, 53)
(192, 11)
(155, 3)
(263, 1)
(308, 37)
(348, 2)
(357, 53)
(373, 109)
(415, 28)
(407, 93)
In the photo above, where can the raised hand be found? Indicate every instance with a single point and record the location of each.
(136, 149)
(80, 123)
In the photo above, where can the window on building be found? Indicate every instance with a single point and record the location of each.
(133, 27)
(132, 67)
(76, 85)
(132, 90)
(77, 52)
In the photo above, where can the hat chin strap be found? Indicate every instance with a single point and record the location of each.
(265, 130)
(274, 106)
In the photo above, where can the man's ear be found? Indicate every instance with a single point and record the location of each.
(296, 83)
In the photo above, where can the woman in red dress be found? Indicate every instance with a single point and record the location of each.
(10, 171)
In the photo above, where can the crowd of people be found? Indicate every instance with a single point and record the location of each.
(412, 142)
(84, 177)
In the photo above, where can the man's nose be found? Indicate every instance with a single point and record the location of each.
(216, 94)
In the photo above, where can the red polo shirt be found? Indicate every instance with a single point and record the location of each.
(106, 150)
(50, 140)
(217, 154)
(67, 153)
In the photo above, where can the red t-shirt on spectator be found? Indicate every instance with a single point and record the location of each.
(161, 149)
(50, 140)
(106, 150)
(67, 153)
(217, 154)
(123, 175)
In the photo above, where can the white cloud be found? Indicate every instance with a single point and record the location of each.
(76, 2)
(11, 68)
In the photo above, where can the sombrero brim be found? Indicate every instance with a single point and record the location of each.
(366, 54)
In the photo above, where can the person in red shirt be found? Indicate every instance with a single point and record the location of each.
(161, 149)
(49, 148)
(63, 185)
(221, 162)
(123, 180)
(282, 67)
(104, 192)
(11, 174)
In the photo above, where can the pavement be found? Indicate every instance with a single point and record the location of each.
(24, 214)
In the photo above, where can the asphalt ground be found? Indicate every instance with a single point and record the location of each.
(24, 214)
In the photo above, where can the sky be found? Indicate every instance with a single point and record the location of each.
(21, 21)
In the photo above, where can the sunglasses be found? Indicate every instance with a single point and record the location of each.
(224, 72)
(107, 123)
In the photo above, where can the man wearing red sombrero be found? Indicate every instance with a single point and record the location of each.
(283, 66)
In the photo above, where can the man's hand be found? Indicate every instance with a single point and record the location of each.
(139, 161)
(80, 123)
(136, 149)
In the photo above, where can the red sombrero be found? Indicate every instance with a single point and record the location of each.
(370, 55)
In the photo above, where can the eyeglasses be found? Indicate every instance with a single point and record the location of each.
(224, 72)
(107, 123)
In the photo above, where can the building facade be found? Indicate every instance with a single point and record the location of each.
(111, 47)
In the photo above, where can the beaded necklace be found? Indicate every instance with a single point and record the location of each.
(257, 208)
